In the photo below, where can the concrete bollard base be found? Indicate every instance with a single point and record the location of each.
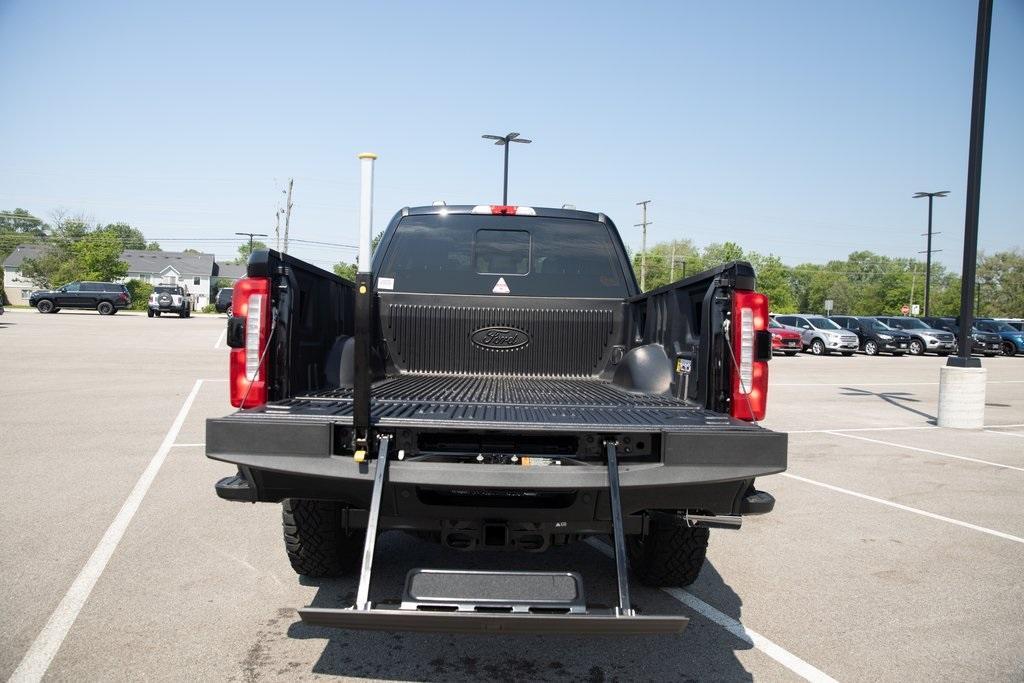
(962, 398)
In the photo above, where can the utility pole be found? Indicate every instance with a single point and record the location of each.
(928, 264)
(672, 265)
(288, 213)
(643, 244)
(913, 285)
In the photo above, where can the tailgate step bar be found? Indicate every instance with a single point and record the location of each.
(467, 601)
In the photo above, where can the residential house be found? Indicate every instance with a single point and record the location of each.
(194, 271)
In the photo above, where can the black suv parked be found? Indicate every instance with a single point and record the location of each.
(223, 302)
(986, 343)
(875, 336)
(106, 297)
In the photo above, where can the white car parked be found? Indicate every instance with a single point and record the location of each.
(821, 335)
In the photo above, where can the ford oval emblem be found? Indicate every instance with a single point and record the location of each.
(500, 338)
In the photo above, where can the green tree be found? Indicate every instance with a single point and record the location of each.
(345, 270)
(1000, 284)
(75, 252)
(139, 292)
(775, 280)
(130, 238)
(153, 246)
(244, 250)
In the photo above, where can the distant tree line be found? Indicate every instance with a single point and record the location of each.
(864, 283)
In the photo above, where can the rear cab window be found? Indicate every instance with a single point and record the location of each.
(502, 255)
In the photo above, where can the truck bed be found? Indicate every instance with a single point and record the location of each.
(461, 402)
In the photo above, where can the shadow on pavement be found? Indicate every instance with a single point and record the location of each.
(894, 398)
(703, 651)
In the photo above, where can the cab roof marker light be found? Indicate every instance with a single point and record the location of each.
(503, 210)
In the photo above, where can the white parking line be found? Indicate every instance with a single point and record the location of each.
(752, 638)
(928, 451)
(992, 431)
(906, 508)
(222, 337)
(37, 660)
(881, 384)
(880, 429)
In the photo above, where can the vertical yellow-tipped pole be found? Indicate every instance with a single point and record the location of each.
(364, 315)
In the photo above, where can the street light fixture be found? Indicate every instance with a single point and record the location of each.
(505, 141)
(928, 265)
(250, 235)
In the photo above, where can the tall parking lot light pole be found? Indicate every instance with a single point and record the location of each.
(928, 263)
(250, 235)
(506, 141)
(962, 380)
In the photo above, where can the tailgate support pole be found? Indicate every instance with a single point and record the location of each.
(363, 594)
(625, 607)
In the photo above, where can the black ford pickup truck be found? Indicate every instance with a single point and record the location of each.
(518, 392)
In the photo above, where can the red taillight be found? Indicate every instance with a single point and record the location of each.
(750, 378)
(251, 300)
(503, 210)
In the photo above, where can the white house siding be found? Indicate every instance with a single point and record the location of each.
(17, 287)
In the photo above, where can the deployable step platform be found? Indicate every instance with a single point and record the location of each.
(464, 601)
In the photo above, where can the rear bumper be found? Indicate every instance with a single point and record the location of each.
(710, 469)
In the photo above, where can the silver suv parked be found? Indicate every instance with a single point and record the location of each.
(820, 335)
(923, 338)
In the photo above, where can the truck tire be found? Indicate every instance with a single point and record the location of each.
(316, 541)
(671, 554)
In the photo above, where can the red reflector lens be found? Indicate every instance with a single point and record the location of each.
(750, 378)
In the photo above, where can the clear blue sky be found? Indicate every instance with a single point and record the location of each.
(799, 128)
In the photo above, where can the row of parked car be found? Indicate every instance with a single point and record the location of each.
(898, 335)
(107, 298)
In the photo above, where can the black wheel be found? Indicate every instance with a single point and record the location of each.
(156, 313)
(105, 308)
(45, 306)
(316, 541)
(671, 554)
(182, 313)
(871, 347)
(916, 347)
(149, 312)
(790, 353)
(818, 348)
(1009, 349)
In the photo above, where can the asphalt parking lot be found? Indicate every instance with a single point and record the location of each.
(895, 552)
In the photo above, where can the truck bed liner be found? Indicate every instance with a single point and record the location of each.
(501, 402)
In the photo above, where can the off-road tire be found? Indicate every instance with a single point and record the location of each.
(671, 554)
(45, 306)
(315, 539)
(105, 308)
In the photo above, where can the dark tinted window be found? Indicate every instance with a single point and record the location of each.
(468, 253)
(165, 289)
